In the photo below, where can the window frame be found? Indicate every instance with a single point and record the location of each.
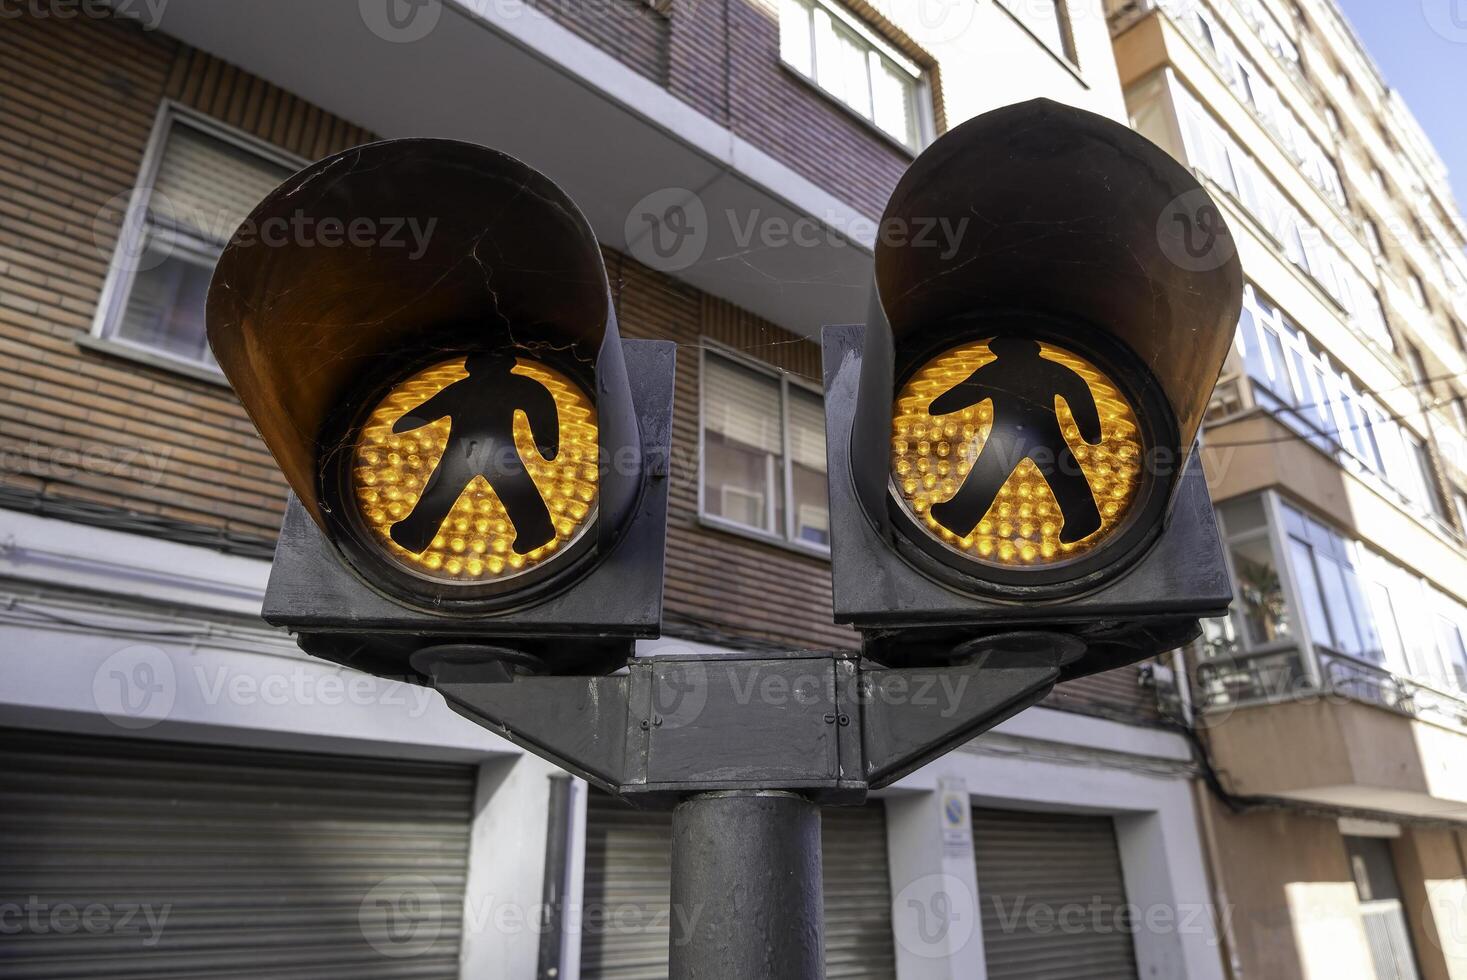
(1067, 52)
(1231, 538)
(923, 110)
(122, 276)
(786, 537)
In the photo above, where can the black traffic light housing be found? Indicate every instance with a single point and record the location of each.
(1075, 231)
(323, 301)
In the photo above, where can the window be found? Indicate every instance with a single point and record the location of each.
(1332, 119)
(1260, 614)
(203, 181)
(1428, 494)
(848, 60)
(1254, 90)
(1372, 238)
(1459, 499)
(763, 455)
(1046, 20)
(1453, 652)
(1325, 573)
(1416, 365)
(1418, 292)
(1213, 151)
(1204, 30)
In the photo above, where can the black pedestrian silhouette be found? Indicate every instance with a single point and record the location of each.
(481, 410)
(1023, 386)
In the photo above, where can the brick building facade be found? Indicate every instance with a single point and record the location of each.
(140, 508)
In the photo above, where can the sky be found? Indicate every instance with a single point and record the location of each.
(1420, 47)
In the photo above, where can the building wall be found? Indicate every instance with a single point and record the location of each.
(81, 99)
(722, 56)
(189, 454)
(127, 439)
(1432, 865)
(1164, 61)
(1292, 905)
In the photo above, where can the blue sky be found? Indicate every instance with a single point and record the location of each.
(1421, 48)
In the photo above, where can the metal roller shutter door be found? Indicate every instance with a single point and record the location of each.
(857, 885)
(1032, 867)
(270, 865)
(627, 885)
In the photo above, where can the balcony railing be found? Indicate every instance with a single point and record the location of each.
(1272, 674)
(1277, 674)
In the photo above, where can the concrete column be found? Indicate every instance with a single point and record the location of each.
(934, 885)
(1174, 915)
(1429, 868)
(502, 900)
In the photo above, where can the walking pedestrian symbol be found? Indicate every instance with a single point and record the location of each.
(1023, 386)
(481, 410)
(1015, 452)
(479, 467)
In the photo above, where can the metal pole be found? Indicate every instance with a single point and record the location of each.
(746, 894)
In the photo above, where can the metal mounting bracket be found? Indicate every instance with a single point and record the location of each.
(825, 725)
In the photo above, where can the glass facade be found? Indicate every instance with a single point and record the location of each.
(1313, 607)
(1310, 393)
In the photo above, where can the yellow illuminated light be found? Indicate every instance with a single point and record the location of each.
(932, 455)
(474, 544)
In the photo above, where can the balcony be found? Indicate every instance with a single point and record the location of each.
(1340, 676)
(1367, 738)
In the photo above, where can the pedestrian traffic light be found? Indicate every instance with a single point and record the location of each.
(424, 335)
(1011, 435)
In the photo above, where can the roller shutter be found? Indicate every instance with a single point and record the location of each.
(627, 884)
(1052, 897)
(167, 861)
(858, 938)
